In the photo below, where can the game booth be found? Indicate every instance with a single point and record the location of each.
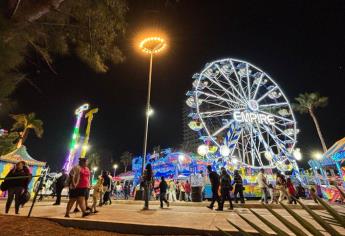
(180, 166)
(329, 172)
(8, 161)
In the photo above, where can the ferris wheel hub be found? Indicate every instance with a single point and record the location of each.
(253, 105)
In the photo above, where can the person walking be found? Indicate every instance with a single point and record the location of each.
(147, 182)
(79, 182)
(182, 196)
(106, 188)
(262, 183)
(238, 186)
(60, 184)
(118, 189)
(172, 191)
(225, 188)
(126, 190)
(97, 189)
(214, 179)
(281, 187)
(16, 187)
(291, 191)
(163, 186)
(188, 190)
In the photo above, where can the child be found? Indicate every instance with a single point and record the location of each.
(273, 194)
(97, 190)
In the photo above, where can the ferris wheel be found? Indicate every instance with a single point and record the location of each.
(242, 115)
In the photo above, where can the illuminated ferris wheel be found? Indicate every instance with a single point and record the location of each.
(242, 115)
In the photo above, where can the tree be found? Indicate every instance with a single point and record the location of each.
(307, 103)
(24, 123)
(7, 142)
(33, 29)
(94, 160)
(126, 159)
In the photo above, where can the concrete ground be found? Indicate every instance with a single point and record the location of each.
(179, 219)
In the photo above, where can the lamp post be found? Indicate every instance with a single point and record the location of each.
(115, 167)
(151, 46)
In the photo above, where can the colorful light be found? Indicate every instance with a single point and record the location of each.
(75, 137)
(202, 150)
(297, 154)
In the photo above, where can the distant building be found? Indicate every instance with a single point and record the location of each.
(190, 137)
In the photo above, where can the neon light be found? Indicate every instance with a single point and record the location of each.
(75, 137)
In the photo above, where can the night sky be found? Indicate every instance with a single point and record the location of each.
(300, 44)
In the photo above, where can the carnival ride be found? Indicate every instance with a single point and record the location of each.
(242, 116)
(329, 172)
(77, 150)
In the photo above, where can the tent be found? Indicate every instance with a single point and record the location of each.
(20, 154)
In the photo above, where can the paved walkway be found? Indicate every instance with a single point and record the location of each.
(185, 219)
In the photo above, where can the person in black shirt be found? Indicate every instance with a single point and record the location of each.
(214, 179)
(163, 186)
(225, 188)
(16, 187)
(60, 184)
(238, 186)
(147, 181)
(106, 187)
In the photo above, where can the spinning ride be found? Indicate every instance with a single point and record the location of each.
(242, 116)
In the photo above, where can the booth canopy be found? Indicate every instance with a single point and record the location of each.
(21, 154)
(337, 151)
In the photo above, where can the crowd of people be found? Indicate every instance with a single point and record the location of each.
(224, 188)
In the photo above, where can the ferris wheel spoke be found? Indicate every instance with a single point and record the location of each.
(248, 81)
(218, 97)
(267, 93)
(282, 131)
(216, 104)
(232, 85)
(261, 138)
(280, 104)
(277, 140)
(224, 127)
(253, 150)
(238, 79)
(258, 85)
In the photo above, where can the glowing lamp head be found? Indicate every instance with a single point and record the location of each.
(297, 154)
(224, 151)
(317, 155)
(152, 44)
(95, 168)
(115, 166)
(202, 150)
(149, 112)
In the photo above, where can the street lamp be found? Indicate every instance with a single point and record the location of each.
(115, 167)
(317, 155)
(150, 45)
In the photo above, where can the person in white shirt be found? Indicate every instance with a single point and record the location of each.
(262, 183)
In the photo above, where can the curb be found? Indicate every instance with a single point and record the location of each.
(141, 229)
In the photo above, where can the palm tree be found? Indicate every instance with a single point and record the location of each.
(25, 123)
(126, 159)
(94, 160)
(307, 103)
